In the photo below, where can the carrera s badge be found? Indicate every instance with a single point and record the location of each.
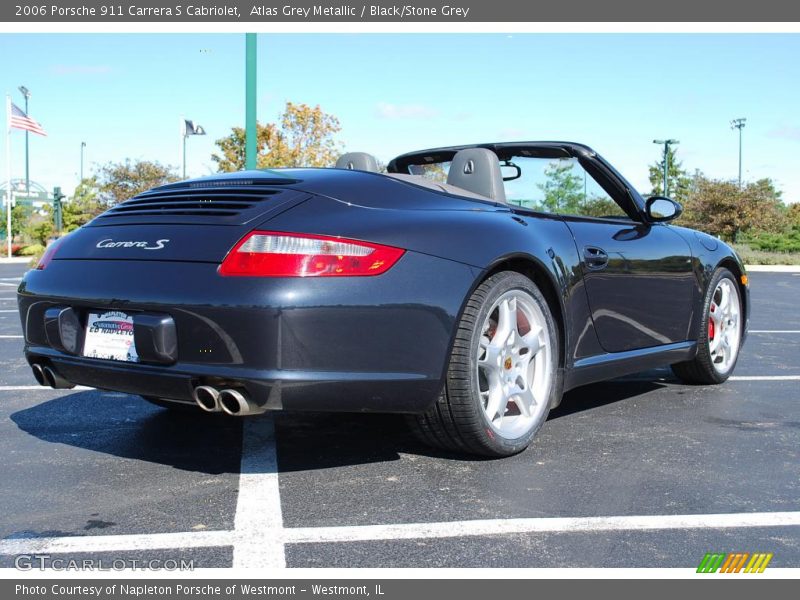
(109, 243)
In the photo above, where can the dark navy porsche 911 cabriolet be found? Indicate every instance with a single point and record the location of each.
(467, 287)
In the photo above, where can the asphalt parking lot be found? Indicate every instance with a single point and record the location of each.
(638, 472)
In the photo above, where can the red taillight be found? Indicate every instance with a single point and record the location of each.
(277, 254)
(49, 253)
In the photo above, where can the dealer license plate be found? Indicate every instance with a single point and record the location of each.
(109, 335)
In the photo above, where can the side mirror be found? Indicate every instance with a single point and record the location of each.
(661, 209)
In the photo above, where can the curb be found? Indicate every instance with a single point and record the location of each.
(772, 268)
(15, 260)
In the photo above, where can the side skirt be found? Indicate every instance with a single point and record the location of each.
(616, 364)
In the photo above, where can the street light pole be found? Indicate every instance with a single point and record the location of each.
(26, 93)
(666, 144)
(8, 174)
(184, 153)
(83, 145)
(739, 124)
(251, 133)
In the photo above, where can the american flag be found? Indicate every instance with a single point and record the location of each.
(20, 120)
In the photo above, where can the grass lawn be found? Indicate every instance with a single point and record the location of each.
(762, 257)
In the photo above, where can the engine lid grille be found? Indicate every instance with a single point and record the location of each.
(207, 204)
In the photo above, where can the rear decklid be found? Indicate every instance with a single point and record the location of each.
(200, 220)
(197, 220)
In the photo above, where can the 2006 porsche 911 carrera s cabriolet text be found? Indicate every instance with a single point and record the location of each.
(467, 287)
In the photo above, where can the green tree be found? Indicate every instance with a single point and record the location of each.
(788, 241)
(117, 182)
(41, 230)
(30, 224)
(38, 226)
(601, 207)
(765, 208)
(680, 183)
(3, 226)
(303, 137)
(20, 215)
(793, 214)
(766, 188)
(83, 206)
(563, 188)
(721, 208)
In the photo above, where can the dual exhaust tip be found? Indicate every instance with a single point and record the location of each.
(230, 401)
(47, 376)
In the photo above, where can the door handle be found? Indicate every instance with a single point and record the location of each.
(595, 258)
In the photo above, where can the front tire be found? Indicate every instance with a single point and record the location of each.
(503, 374)
(721, 333)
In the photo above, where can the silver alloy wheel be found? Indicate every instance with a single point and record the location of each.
(515, 371)
(724, 326)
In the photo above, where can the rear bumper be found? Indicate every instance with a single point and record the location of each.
(355, 344)
(271, 389)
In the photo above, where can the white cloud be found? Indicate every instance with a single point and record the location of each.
(786, 132)
(80, 69)
(386, 110)
(511, 134)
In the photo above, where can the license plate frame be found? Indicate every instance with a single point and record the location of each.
(108, 335)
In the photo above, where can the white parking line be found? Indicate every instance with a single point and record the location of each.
(258, 521)
(774, 331)
(733, 378)
(11, 337)
(279, 536)
(405, 531)
(764, 378)
(40, 388)
(116, 543)
(11, 284)
(9, 311)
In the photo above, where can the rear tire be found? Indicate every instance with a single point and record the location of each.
(720, 336)
(503, 374)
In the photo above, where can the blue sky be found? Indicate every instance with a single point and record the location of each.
(123, 95)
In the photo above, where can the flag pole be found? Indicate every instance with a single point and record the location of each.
(8, 173)
(183, 144)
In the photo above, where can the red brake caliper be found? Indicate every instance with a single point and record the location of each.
(711, 325)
